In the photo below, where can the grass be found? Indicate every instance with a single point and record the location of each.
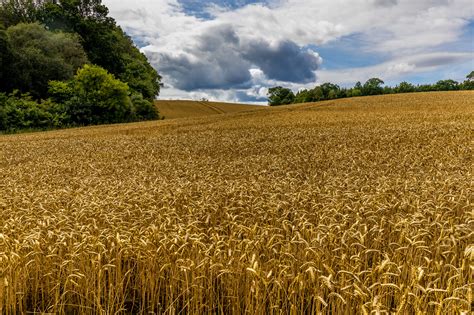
(183, 109)
(359, 205)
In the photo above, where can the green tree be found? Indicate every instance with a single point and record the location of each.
(303, 96)
(469, 83)
(317, 94)
(40, 56)
(13, 12)
(447, 85)
(143, 109)
(138, 73)
(470, 76)
(280, 96)
(329, 90)
(356, 92)
(94, 96)
(105, 42)
(373, 86)
(332, 94)
(405, 87)
(6, 60)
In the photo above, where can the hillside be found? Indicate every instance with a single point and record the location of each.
(182, 109)
(356, 205)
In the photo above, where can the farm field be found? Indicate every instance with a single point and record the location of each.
(354, 206)
(184, 109)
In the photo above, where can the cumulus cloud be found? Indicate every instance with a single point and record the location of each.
(397, 67)
(244, 45)
(283, 61)
(212, 61)
(219, 59)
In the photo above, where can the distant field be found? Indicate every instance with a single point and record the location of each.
(183, 109)
(354, 206)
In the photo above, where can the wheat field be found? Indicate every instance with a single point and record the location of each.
(184, 109)
(354, 206)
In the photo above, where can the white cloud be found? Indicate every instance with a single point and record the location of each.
(396, 68)
(225, 52)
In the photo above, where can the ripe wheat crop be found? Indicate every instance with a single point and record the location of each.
(359, 205)
(184, 109)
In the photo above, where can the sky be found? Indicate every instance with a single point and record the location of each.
(234, 50)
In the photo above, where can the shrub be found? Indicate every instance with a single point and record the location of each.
(93, 96)
(143, 109)
(22, 112)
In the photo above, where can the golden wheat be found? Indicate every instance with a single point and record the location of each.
(352, 206)
(184, 109)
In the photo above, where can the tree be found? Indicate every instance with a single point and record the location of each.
(280, 96)
(105, 43)
(405, 87)
(329, 90)
(356, 92)
(332, 95)
(13, 12)
(40, 56)
(6, 60)
(143, 109)
(373, 86)
(93, 96)
(303, 96)
(447, 85)
(469, 83)
(139, 74)
(317, 94)
(388, 90)
(470, 76)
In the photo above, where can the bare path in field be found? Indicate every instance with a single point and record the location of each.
(212, 107)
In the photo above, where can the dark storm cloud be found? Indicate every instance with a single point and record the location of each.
(286, 61)
(214, 62)
(219, 73)
(219, 60)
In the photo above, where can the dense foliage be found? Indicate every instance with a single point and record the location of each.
(374, 86)
(19, 112)
(280, 96)
(40, 56)
(44, 40)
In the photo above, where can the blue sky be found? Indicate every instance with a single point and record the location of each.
(234, 50)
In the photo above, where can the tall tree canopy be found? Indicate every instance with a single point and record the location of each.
(373, 86)
(6, 58)
(104, 42)
(39, 56)
(280, 96)
(44, 43)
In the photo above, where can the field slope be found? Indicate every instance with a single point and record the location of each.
(184, 109)
(359, 205)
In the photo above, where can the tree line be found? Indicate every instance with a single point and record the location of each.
(283, 96)
(67, 63)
